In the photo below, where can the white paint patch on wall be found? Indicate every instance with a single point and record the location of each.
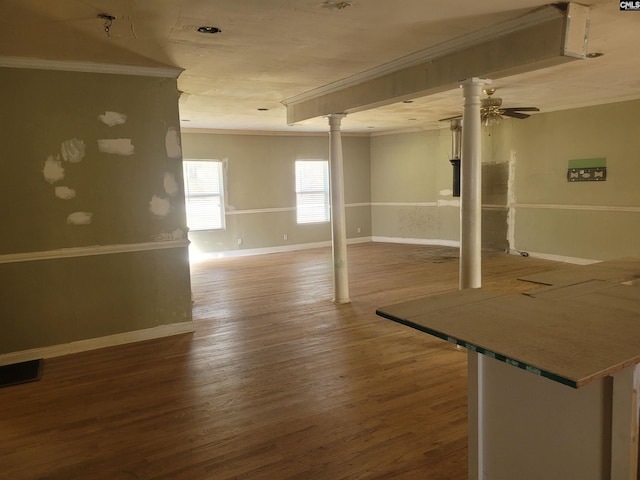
(159, 206)
(172, 143)
(72, 150)
(225, 185)
(65, 193)
(178, 234)
(170, 184)
(53, 170)
(511, 201)
(80, 218)
(117, 146)
(112, 118)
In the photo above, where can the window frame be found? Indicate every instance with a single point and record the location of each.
(325, 191)
(219, 195)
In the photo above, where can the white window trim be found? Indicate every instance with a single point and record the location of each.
(220, 196)
(300, 220)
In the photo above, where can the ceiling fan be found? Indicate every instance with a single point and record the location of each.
(492, 111)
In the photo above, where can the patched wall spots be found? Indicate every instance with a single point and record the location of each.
(72, 150)
(80, 218)
(53, 170)
(417, 222)
(112, 118)
(494, 229)
(172, 143)
(116, 146)
(495, 186)
(170, 185)
(159, 206)
(495, 179)
(65, 193)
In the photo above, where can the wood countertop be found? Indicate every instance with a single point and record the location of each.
(572, 334)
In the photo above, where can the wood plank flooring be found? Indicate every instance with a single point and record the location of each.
(276, 383)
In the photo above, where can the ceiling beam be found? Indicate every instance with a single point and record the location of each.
(543, 38)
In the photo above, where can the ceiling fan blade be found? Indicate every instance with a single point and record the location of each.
(511, 113)
(450, 118)
(523, 109)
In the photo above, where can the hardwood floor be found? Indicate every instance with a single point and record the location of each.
(276, 383)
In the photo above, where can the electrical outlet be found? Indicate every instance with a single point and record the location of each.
(239, 241)
(285, 237)
(358, 230)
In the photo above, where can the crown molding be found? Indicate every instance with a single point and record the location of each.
(89, 67)
(267, 133)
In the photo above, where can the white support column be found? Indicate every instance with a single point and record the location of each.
(471, 186)
(470, 255)
(338, 221)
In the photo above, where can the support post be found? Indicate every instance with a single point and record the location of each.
(338, 221)
(470, 255)
(471, 187)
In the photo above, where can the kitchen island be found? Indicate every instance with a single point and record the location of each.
(553, 375)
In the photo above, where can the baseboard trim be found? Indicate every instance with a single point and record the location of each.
(96, 343)
(418, 241)
(198, 257)
(555, 258)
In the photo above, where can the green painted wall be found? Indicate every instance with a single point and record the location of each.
(411, 179)
(411, 186)
(524, 168)
(591, 220)
(527, 203)
(396, 186)
(48, 118)
(260, 188)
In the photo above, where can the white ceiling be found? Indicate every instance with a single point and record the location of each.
(271, 50)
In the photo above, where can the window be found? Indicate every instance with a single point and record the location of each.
(204, 194)
(312, 191)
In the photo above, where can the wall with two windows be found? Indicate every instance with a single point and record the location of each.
(398, 186)
(260, 202)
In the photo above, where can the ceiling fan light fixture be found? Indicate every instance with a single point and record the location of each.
(490, 119)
